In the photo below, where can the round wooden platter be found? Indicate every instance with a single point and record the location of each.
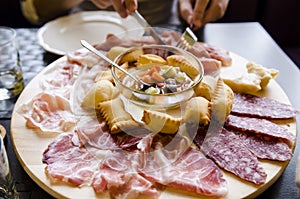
(30, 145)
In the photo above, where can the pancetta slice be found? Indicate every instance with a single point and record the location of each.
(261, 107)
(260, 127)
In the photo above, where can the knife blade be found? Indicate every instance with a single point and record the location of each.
(149, 29)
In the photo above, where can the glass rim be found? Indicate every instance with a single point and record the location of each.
(11, 37)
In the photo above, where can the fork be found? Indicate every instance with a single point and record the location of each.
(187, 39)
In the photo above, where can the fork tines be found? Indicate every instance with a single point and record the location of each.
(187, 39)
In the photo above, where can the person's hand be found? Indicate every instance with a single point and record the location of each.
(199, 12)
(123, 7)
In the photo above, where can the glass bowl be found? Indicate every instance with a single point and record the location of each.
(155, 101)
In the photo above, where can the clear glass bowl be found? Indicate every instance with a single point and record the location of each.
(157, 101)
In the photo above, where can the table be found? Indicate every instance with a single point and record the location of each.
(249, 40)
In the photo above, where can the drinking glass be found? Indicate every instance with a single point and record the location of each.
(7, 185)
(11, 78)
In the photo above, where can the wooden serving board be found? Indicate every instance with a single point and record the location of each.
(30, 145)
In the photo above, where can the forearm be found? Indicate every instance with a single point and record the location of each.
(40, 11)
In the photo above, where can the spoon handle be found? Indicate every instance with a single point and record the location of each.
(95, 51)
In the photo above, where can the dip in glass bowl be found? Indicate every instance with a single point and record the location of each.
(170, 73)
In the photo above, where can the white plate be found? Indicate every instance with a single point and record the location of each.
(64, 34)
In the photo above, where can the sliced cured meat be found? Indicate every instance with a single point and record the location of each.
(95, 133)
(48, 113)
(198, 49)
(229, 152)
(61, 80)
(132, 138)
(271, 149)
(113, 40)
(83, 58)
(191, 171)
(260, 127)
(261, 107)
(68, 163)
(118, 175)
(211, 66)
(219, 54)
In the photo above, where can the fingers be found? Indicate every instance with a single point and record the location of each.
(186, 10)
(199, 13)
(102, 3)
(215, 11)
(124, 7)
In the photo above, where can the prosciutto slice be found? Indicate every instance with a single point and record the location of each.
(95, 133)
(261, 107)
(190, 171)
(261, 127)
(69, 163)
(48, 113)
(118, 175)
(229, 152)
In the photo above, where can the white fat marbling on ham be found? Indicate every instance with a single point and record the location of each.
(60, 80)
(211, 66)
(186, 169)
(113, 40)
(219, 54)
(83, 58)
(68, 163)
(95, 133)
(118, 175)
(48, 113)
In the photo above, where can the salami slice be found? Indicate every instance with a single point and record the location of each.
(260, 127)
(229, 152)
(261, 107)
(271, 149)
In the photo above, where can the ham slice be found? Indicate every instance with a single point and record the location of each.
(185, 169)
(48, 113)
(68, 163)
(95, 133)
(118, 175)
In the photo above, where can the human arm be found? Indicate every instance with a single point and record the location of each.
(123, 7)
(40, 11)
(199, 12)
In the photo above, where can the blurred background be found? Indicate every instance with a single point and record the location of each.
(280, 19)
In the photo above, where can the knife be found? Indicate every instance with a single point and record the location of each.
(142, 21)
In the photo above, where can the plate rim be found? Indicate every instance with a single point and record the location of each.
(79, 15)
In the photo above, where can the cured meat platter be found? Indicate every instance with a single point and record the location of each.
(30, 146)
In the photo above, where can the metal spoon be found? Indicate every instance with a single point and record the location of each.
(142, 85)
